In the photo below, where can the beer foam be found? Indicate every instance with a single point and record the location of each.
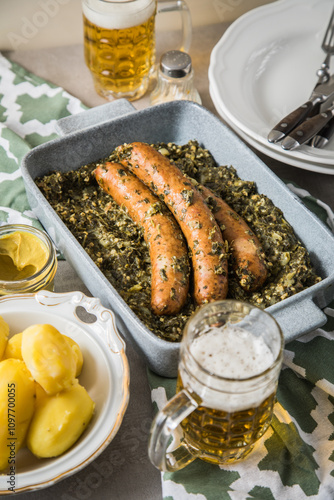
(236, 355)
(232, 353)
(118, 15)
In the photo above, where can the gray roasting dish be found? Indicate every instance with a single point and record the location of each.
(94, 133)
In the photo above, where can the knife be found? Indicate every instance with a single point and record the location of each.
(307, 129)
(323, 136)
(321, 93)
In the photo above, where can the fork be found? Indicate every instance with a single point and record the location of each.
(328, 47)
(314, 123)
(312, 106)
(321, 139)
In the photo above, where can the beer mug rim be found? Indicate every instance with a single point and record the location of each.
(185, 344)
(145, 3)
(122, 1)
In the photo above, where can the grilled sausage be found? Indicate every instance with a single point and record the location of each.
(204, 238)
(167, 247)
(246, 252)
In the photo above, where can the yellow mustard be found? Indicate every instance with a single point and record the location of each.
(27, 259)
(22, 254)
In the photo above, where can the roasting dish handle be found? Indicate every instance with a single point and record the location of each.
(308, 317)
(93, 116)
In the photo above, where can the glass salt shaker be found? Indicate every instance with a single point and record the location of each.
(175, 79)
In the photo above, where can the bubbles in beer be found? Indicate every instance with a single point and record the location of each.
(232, 352)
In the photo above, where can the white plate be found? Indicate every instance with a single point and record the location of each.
(265, 66)
(278, 153)
(105, 375)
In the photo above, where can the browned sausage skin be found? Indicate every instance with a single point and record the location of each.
(167, 247)
(204, 238)
(247, 256)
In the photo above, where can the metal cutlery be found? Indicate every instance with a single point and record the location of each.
(320, 94)
(308, 129)
(328, 47)
(323, 136)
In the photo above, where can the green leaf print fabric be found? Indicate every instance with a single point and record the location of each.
(295, 458)
(29, 110)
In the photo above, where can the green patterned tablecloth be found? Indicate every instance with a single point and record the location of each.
(29, 110)
(295, 458)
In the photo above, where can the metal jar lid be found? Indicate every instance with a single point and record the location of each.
(175, 64)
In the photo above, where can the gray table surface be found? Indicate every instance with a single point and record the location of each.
(123, 471)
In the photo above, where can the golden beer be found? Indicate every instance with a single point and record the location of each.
(230, 360)
(218, 436)
(119, 46)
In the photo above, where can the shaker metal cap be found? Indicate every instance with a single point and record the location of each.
(175, 63)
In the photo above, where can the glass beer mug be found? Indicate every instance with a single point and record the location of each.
(119, 43)
(230, 360)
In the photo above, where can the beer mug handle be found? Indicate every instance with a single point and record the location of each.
(182, 7)
(162, 430)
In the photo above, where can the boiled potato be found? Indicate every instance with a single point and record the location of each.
(59, 421)
(40, 393)
(78, 354)
(17, 404)
(4, 332)
(13, 348)
(49, 357)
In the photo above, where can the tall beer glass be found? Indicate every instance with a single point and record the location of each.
(230, 360)
(119, 43)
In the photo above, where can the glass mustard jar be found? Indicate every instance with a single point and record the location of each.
(28, 260)
(175, 79)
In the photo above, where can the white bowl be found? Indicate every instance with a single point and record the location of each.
(105, 375)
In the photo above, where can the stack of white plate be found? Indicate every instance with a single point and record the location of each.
(265, 66)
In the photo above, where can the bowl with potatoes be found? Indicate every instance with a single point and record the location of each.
(64, 386)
